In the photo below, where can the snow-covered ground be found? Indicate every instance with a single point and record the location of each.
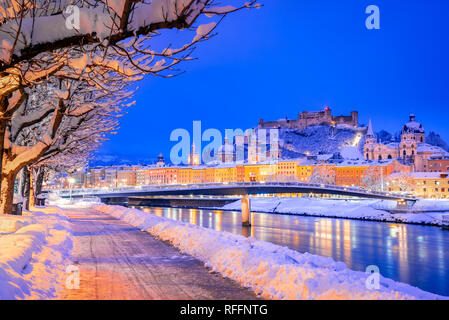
(272, 271)
(432, 211)
(34, 252)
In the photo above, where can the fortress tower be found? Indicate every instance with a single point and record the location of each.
(307, 119)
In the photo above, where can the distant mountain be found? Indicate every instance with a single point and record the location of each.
(436, 140)
(103, 160)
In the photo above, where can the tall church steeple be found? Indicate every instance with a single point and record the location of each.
(370, 141)
(370, 132)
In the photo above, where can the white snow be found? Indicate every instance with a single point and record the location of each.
(34, 254)
(351, 152)
(272, 271)
(98, 20)
(204, 30)
(10, 224)
(429, 212)
(35, 248)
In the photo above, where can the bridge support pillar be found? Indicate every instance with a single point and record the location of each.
(246, 211)
(406, 204)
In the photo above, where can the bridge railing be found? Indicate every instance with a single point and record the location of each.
(117, 190)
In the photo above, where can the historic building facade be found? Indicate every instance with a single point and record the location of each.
(307, 119)
(412, 149)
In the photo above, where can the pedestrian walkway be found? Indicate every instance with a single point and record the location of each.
(117, 261)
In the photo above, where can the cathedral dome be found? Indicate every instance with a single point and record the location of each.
(412, 126)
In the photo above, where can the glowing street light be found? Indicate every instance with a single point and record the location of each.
(71, 182)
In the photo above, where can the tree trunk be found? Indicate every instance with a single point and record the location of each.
(3, 124)
(25, 190)
(7, 193)
(38, 181)
(31, 191)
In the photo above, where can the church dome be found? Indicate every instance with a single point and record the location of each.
(412, 126)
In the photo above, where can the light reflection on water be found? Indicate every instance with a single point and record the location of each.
(418, 255)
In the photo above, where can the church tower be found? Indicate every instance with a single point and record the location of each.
(194, 157)
(370, 142)
(160, 160)
(411, 135)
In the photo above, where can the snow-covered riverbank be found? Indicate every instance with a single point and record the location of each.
(34, 252)
(272, 271)
(432, 211)
(36, 247)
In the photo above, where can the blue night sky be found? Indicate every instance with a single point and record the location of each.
(294, 55)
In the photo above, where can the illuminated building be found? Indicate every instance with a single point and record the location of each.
(362, 173)
(438, 164)
(126, 177)
(431, 184)
(287, 171)
(412, 148)
(367, 173)
(194, 157)
(160, 160)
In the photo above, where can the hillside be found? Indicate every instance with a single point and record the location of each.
(316, 140)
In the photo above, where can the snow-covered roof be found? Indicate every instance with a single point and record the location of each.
(324, 157)
(439, 157)
(365, 163)
(412, 126)
(425, 147)
(392, 145)
(429, 175)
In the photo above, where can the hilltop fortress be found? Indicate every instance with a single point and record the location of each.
(307, 119)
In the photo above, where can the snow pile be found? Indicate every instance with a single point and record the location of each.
(58, 202)
(375, 210)
(33, 257)
(272, 271)
(9, 224)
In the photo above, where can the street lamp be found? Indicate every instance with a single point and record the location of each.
(71, 182)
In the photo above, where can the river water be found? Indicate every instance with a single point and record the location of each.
(414, 254)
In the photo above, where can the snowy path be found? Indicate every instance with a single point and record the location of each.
(117, 261)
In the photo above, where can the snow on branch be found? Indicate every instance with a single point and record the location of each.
(63, 117)
(30, 30)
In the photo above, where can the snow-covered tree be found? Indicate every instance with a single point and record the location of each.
(323, 174)
(402, 182)
(371, 179)
(65, 114)
(44, 41)
(436, 140)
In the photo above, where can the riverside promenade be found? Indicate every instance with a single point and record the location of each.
(117, 261)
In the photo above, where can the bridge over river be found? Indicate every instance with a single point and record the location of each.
(222, 193)
(234, 189)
